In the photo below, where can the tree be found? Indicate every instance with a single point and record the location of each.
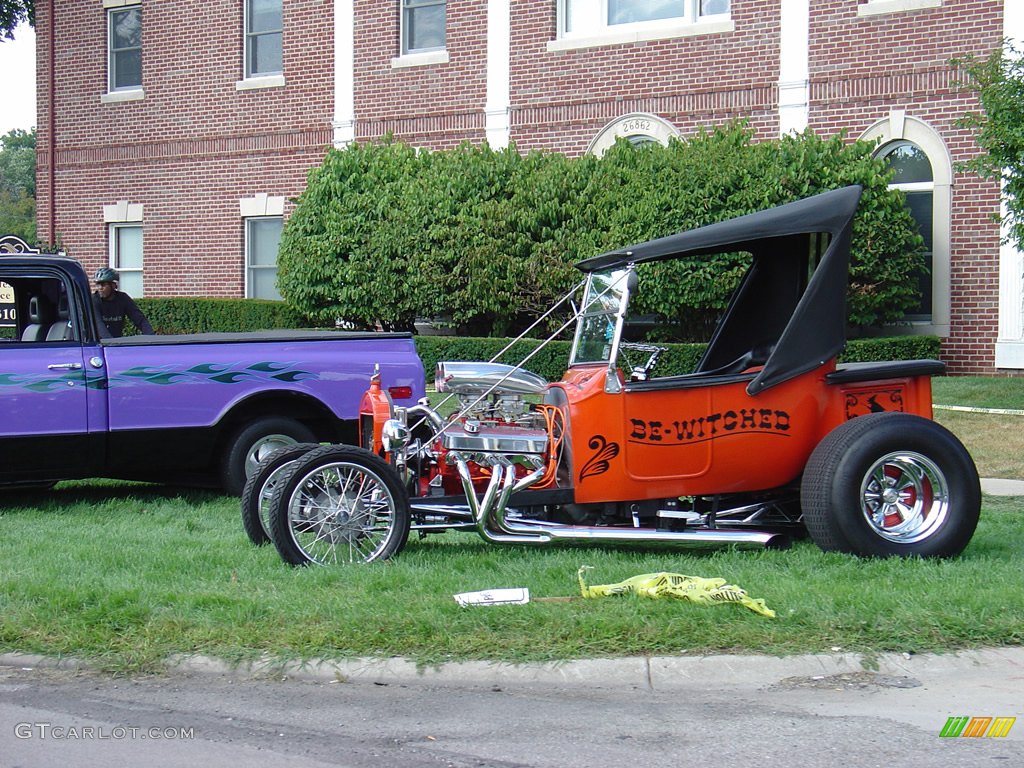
(998, 82)
(18, 184)
(13, 13)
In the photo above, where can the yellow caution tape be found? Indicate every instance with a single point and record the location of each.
(692, 588)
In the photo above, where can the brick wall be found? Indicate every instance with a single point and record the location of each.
(195, 144)
(863, 67)
(432, 105)
(562, 99)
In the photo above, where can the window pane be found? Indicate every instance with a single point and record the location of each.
(264, 241)
(711, 7)
(128, 247)
(265, 16)
(263, 284)
(127, 69)
(909, 161)
(920, 205)
(265, 54)
(131, 283)
(628, 11)
(425, 27)
(126, 28)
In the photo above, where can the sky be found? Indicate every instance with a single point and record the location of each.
(18, 80)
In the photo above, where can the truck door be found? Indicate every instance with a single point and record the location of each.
(43, 389)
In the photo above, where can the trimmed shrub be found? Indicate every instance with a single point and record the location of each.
(198, 315)
(486, 238)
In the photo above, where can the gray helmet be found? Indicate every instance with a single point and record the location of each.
(106, 275)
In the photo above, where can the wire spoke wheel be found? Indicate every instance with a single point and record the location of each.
(333, 509)
(259, 489)
(905, 497)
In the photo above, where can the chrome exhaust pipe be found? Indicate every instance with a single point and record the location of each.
(493, 525)
(695, 537)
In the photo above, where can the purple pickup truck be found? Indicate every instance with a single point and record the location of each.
(198, 409)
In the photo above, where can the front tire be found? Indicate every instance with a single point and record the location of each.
(260, 486)
(891, 484)
(250, 444)
(339, 504)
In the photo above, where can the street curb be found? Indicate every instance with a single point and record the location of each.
(658, 672)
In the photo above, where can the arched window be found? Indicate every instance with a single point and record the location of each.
(638, 128)
(913, 176)
(924, 171)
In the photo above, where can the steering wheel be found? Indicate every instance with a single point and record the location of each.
(642, 372)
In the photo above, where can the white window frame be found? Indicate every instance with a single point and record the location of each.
(115, 258)
(900, 126)
(248, 36)
(250, 268)
(600, 33)
(405, 6)
(126, 92)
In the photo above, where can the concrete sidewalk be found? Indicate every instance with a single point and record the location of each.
(996, 487)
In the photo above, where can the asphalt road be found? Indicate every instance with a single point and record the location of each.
(735, 711)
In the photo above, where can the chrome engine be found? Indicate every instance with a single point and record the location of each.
(492, 394)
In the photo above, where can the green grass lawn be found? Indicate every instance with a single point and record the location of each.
(995, 440)
(127, 576)
(979, 391)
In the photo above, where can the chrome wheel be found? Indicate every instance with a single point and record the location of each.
(905, 497)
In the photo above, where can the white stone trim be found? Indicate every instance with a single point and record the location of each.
(1010, 341)
(116, 97)
(499, 54)
(794, 66)
(261, 81)
(344, 122)
(665, 32)
(120, 3)
(122, 212)
(876, 7)
(261, 204)
(420, 59)
(633, 124)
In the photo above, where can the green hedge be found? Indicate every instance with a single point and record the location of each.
(680, 358)
(197, 315)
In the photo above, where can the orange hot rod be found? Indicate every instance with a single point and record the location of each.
(768, 438)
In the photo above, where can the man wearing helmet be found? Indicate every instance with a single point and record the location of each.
(113, 306)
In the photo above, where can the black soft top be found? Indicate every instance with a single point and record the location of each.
(800, 322)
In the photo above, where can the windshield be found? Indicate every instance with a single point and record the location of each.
(603, 303)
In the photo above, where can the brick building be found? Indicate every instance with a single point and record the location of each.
(172, 135)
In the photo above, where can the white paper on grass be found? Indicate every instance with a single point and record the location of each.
(513, 596)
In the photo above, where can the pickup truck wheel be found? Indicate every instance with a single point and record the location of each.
(250, 444)
(890, 484)
(259, 487)
(339, 504)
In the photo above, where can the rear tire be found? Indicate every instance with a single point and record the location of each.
(891, 484)
(339, 504)
(250, 444)
(260, 486)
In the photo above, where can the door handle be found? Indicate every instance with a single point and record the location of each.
(65, 366)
